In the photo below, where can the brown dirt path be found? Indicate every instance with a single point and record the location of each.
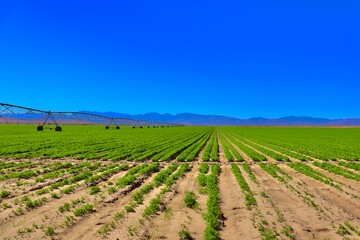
(222, 157)
(82, 190)
(237, 223)
(237, 219)
(263, 210)
(50, 204)
(47, 214)
(86, 228)
(167, 227)
(339, 205)
(355, 185)
(296, 213)
(122, 230)
(348, 182)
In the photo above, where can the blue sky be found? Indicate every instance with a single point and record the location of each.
(235, 58)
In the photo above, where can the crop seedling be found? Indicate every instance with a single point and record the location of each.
(67, 190)
(4, 193)
(190, 200)
(49, 231)
(288, 231)
(94, 190)
(111, 190)
(184, 234)
(249, 197)
(167, 213)
(87, 208)
(342, 230)
(65, 207)
(132, 231)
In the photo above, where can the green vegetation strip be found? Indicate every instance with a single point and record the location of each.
(352, 165)
(249, 197)
(155, 203)
(316, 142)
(310, 172)
(134, 173)
(275, 172)
(255, 156)
(167, 177)
(213, 212)
(212, 148)
(268, 152)
(203, 170)
(224, 144)
(94, 142)
(230, 152)
(106, 173)
(190, 153)
(337, 170)
(161, 144)
(248, 170)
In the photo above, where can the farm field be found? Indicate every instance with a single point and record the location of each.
(179, 183)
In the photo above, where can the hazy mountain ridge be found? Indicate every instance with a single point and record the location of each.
(218, 120)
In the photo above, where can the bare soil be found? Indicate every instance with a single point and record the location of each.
(279, 205)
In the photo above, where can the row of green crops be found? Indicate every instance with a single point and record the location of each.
(302, 142)
(310, 172)
(249, 197)
(352, 165)
(181, 143)
(255, 156)
(168, 177)
(275, 172)
(211, 150)
(213, 212)
(337, 170)
(231, 154)
(266, 151)
(191, 152)
(94, 142)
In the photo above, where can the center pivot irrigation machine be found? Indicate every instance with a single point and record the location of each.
(12, 114)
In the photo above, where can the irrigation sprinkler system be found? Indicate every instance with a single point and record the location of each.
(13, 114)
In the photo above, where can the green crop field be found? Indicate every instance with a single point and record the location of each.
(179, 143)
(88, 182)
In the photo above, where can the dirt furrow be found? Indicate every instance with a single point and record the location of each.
(222, 157)
(263, 211)
(237, 219)
(81, 190)
(349, 182)
(48, 213)
(355, 186)
(296, 213)
(168, 225)
(338, 204)
(49, 205)
(86, 228)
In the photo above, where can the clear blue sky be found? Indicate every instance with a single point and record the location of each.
(235, 58)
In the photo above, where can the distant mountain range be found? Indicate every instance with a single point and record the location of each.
(218, 120)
